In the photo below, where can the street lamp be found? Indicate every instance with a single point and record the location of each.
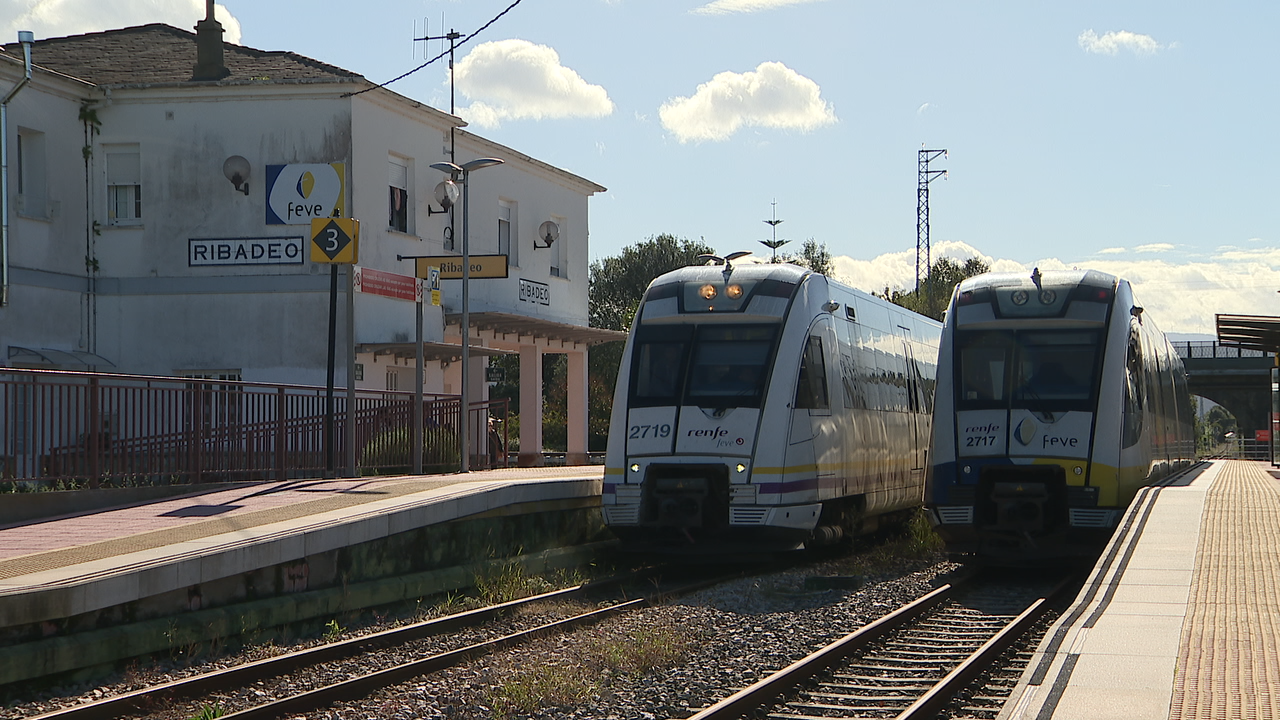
(460, 173)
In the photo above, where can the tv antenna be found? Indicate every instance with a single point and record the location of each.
(452, 36)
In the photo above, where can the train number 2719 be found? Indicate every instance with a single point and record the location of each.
(639, 432)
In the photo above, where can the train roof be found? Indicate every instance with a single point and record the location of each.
(1053, 279)
(785, 272)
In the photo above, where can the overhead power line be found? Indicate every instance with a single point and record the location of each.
(441, 55)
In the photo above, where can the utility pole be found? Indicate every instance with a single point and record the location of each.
(775, 243)
(452, 36)
(925, 177)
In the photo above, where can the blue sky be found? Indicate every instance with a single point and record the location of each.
(1131, 137)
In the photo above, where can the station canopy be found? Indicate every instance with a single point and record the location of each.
(1254, 332)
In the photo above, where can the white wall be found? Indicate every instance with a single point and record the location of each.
(47, 246)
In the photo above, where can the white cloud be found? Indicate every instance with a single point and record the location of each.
(1112, 251)
(1112, 42)
(59, 18)
(518, 80)
(1153, 248)
(922, 109)
(1179, 298)
(773, 96)
(726, 7)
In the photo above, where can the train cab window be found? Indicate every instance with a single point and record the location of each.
(984, 361)
(811, 388)
(730, 365)
(658, 366)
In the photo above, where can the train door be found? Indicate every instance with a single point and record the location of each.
(811, 407)
(917, 427)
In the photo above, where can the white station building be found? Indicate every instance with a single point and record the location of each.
(160, 186)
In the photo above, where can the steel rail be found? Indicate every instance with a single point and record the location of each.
(942, 693)
(744, 700)
(927, 705)
(122, 705)
(363, 685)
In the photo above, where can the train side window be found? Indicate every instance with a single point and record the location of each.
(811, 388)
(1134, 390)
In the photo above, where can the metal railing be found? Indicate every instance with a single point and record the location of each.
(68, 429)
(1208, 349)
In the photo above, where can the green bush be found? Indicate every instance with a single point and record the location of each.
(390, 452)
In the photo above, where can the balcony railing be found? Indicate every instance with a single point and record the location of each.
(1209, 349)
(67, 429)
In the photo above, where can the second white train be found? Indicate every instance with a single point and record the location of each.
(763, 406)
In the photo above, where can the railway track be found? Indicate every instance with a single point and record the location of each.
(909, 664)
(186, 697)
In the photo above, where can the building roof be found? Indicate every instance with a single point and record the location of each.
(1255, 332)
(162, 54)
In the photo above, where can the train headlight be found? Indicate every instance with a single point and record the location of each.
(733, 292)
(740, 468)
(635, 467)
(1078, 470)
(1019, 297)
(967, 469)
(707, 292)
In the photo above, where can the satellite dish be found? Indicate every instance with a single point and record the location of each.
(548, 232)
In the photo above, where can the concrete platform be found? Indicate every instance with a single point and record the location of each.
(1181, 616)
(328, 544)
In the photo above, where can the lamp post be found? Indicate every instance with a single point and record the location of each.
(461, 173)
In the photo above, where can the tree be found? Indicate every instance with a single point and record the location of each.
(617, 286)
(814, 256)
(618, 283)
(935, 289)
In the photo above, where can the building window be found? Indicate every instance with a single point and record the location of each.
(124, 185)
(398, 217)
(507, 244)
(31, 174)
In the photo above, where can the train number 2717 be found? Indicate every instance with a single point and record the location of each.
(980, 441)
(639, 432)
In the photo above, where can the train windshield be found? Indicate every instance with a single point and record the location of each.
(730, 365)
(708, 365)
(1033, 369)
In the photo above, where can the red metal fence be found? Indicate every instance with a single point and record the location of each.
(69, 429)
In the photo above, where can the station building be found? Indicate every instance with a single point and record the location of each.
(160, 191)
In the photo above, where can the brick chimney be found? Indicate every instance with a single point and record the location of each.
(209, 48)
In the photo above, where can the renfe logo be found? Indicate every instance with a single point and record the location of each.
(718, 432)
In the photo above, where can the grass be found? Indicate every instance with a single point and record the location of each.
(509, 581)
(917, 542)
(600, 654)
(208, 712)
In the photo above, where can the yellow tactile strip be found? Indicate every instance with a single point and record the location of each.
(1228, 663)
(39, 562)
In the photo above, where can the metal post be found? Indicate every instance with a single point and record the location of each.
(351, 372)
(329, 444)
(464, 416)
(416, 445)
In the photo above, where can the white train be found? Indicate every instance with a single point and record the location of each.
(763, 406)
(1057, 399)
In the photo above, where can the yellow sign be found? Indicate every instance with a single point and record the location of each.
(335, 240)
(482, 266)
(435, 298)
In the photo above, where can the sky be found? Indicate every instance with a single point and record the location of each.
(1125, 136)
